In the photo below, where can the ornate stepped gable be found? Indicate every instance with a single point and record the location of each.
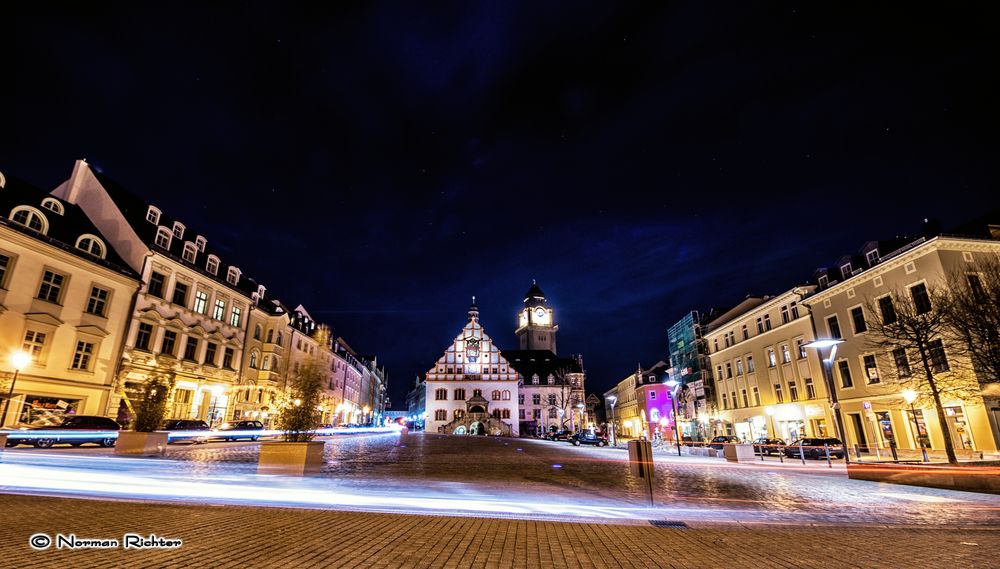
(472, 356)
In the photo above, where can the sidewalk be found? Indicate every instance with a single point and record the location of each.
(222, 537)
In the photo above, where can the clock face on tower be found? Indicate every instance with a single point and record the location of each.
(540, 313)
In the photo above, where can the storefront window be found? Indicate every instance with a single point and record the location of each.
(46, 410)
(960, 433)
(885, 426)
(819, 428)
(921, 428)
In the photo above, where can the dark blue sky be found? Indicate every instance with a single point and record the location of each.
(383, 163)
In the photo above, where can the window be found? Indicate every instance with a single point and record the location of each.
(30, 218)
(786, 354)
(902, 362)
(153, 215)
(845, 374)
(536, 399)
(756, 397)
(715, 345)
(256, 334)
(219, 312)
(795, 311)
(169, 343)
(725, 401)
(793, 391)
(266, 363)
(212, 265)
(939, 361)
(162, 238)
(810, 389)
(278, 340)
(233, 276)
(51, 287)
(201, 302)
(871, 368)
(441, 394)
(749, 364)
(200, 243)
(921, 299)
(143, 336)
(179, 230)
(495, 396)
(190, 349)
(253, 359)
(550, 380)
(778, 396)
(845, 270)
(739, 367)
(801, 346)
(98, 301)
(536, 414)
(227, 358)
(552, 413)
(190, 253)
(746, 332)
(210, 353)
(552, 399)
(33, 344)
(520, 414)
(729, 370)
(459, 413)
(760, 325)
(440, 415)
(53, 205)
(823, 281)
(459, 395)
(505, 395)
(156, 282)
(5, 264)
(91, 244)
(771, 358)
(652, 395)
(834, 327)
(746, 400)
(520, 399)
(81, 358)
(767, 321)
(736, 404)
(976, 288)
(784, 314)
(858, 319)
(505, 413)
(237, 315)
(872, 257)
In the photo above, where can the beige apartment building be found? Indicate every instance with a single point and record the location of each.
(874, 411)
(767, 383)
(627, 419)
(65, 300)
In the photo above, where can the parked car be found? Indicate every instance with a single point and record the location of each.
(241, 427)
(722, 440)
(812, 447)
(767, 446)
(82, 423)
(589, 438)
(558, 435)
(174, 425)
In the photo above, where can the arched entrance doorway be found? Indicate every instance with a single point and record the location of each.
(477, 428)
(460, 430)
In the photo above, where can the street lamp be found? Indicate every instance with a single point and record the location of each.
(769, 410)
(579, 407)
(612, 399)
(673, 384)
(831, 344)
(216, 392)
(910, 396)
(19, 360)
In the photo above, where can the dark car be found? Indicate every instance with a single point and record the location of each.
(105, 432)
(813, 447)
(767, 446)
(558, 435)
(239, 430)
(587, 438)
(174, 425)
(721, 441)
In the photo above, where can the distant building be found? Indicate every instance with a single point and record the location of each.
(689, 365)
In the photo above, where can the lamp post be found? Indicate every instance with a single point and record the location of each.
(19, 360)
(769, 411)
(674, 385)
(216, 392)
(579, 407)
(612, 399)
(831, 344)
(910, 396)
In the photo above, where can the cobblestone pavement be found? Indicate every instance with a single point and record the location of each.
(488, 474)
(221, 537)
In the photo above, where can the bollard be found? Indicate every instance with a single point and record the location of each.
(762, 453)
(826, 447)
(781, 454)
(802, 454)
(895, 457)
(640, 460)
(857, 451)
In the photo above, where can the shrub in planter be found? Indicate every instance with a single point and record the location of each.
(296, 454)
(150, 410)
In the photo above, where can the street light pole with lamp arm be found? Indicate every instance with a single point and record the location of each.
(674, 386)
(19, 360)
(910, 396)
(819, 345)
(612, 399)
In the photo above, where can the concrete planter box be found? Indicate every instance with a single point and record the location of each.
(967, 478)
(703, 451)
(3, 441)
(134, 443)
(294, 459)
(738, 453)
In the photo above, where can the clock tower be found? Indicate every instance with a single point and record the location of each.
(536, 328)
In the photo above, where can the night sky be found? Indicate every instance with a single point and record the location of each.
(382, 164)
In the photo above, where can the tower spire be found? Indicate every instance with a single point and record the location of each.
(473, 310)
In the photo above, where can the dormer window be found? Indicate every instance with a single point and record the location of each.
(872, 257)
(179, 230)
(53, 204)
(163, 236)
(153, 215)
(233, 276)
(30, 218)
(190, 252)
(823, 281)
(212, 265)
(200, 242)
(845, 270)
(91, 244)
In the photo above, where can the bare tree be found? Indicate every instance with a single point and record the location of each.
(566, 398)
(973, 315)
(912, 328)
